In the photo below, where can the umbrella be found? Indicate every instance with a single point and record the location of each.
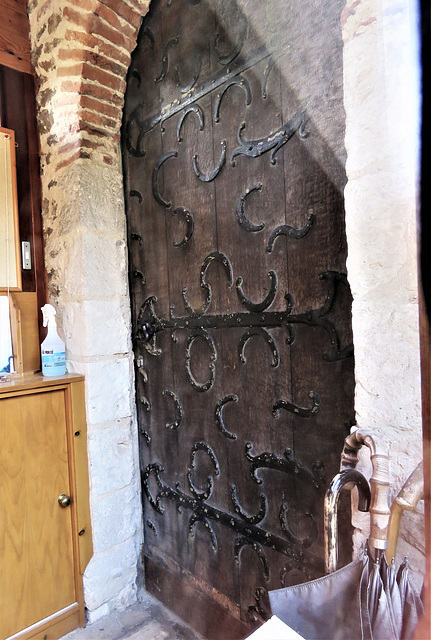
(367, 599)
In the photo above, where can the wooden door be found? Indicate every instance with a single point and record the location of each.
(36, 554)
(234, 175)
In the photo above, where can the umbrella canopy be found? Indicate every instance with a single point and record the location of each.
(367, 599)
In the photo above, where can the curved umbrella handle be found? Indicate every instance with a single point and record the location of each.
(348, 478)
(379, 481)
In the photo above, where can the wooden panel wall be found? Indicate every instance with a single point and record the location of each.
(14, 35)
(18, 112)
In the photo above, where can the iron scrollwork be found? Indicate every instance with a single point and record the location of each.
(241, 82)
(149, 325)
(273, 142)
(208, 177)
(246, 224)
(287, 464)
(205, 511)
(219, 416)
(155, 178)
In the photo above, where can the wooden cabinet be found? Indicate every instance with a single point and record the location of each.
(44, 546)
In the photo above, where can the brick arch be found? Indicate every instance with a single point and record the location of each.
(81, 55)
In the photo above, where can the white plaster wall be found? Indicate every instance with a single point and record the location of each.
(381, 94)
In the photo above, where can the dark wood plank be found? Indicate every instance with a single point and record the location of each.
(237, 507)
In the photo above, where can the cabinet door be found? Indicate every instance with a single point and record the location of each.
(36, 553)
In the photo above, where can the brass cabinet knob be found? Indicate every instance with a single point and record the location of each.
(64, 500)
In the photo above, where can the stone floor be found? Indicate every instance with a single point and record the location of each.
(148, 620)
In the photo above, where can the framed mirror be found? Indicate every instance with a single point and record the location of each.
(10, 256)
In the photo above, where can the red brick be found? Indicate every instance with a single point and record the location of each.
(87, 5)
(71, 85)
(46, 5)
(133, 16)
(70, 146)
(108, 160)
(74, 70)
(99, 28)
(96, 43)
(102, 93)
(71, 54)
(66, 99)
(106, 64)
(91, 144)
(80, 18)
(103, 77)
(67, 161)
(88, 102)
(83, 126)
(99, 120)
(112, 19)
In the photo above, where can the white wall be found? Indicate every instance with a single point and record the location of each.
(381, 95)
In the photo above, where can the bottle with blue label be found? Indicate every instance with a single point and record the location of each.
(52, 348)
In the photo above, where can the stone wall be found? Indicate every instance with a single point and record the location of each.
(382, 102)
(81, 53)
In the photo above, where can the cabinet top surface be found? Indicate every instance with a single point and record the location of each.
(38, 381)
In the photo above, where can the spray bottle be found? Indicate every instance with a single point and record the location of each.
(52, 348)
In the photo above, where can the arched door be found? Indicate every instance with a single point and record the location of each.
(234, 175)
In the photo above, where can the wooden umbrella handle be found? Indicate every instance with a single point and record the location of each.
(379, 481)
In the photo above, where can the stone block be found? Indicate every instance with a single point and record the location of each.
(97, 327)
(112, 455)
(116, 516)
(90, 198)
(109, 573)
(95, 263)
(109, 387)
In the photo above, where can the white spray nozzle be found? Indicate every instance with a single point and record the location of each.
(48, 313)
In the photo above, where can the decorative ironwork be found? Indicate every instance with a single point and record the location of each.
(190, 225)
(299, 411)
(238, 509)
(201, 333)
(145, 403)
(241, 542)
(214, 173)
(152, 526)
(204, 510)
(266, 302)
(193, 108)
(246, 224)
(140, 275)
(164, 70)
(241, 82)
(219, 417)
(273, 142)
(155, 178)
(178, 407)
(259, 331)
(184, 88)
(138, 119)
(149, 34)
(214, 256)
(291, 232)
(287, 464)
(202, 446)
(149, 325)
(197, 518)
(268, 68)
(136, 194)
(305, 542)
(225, 59)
